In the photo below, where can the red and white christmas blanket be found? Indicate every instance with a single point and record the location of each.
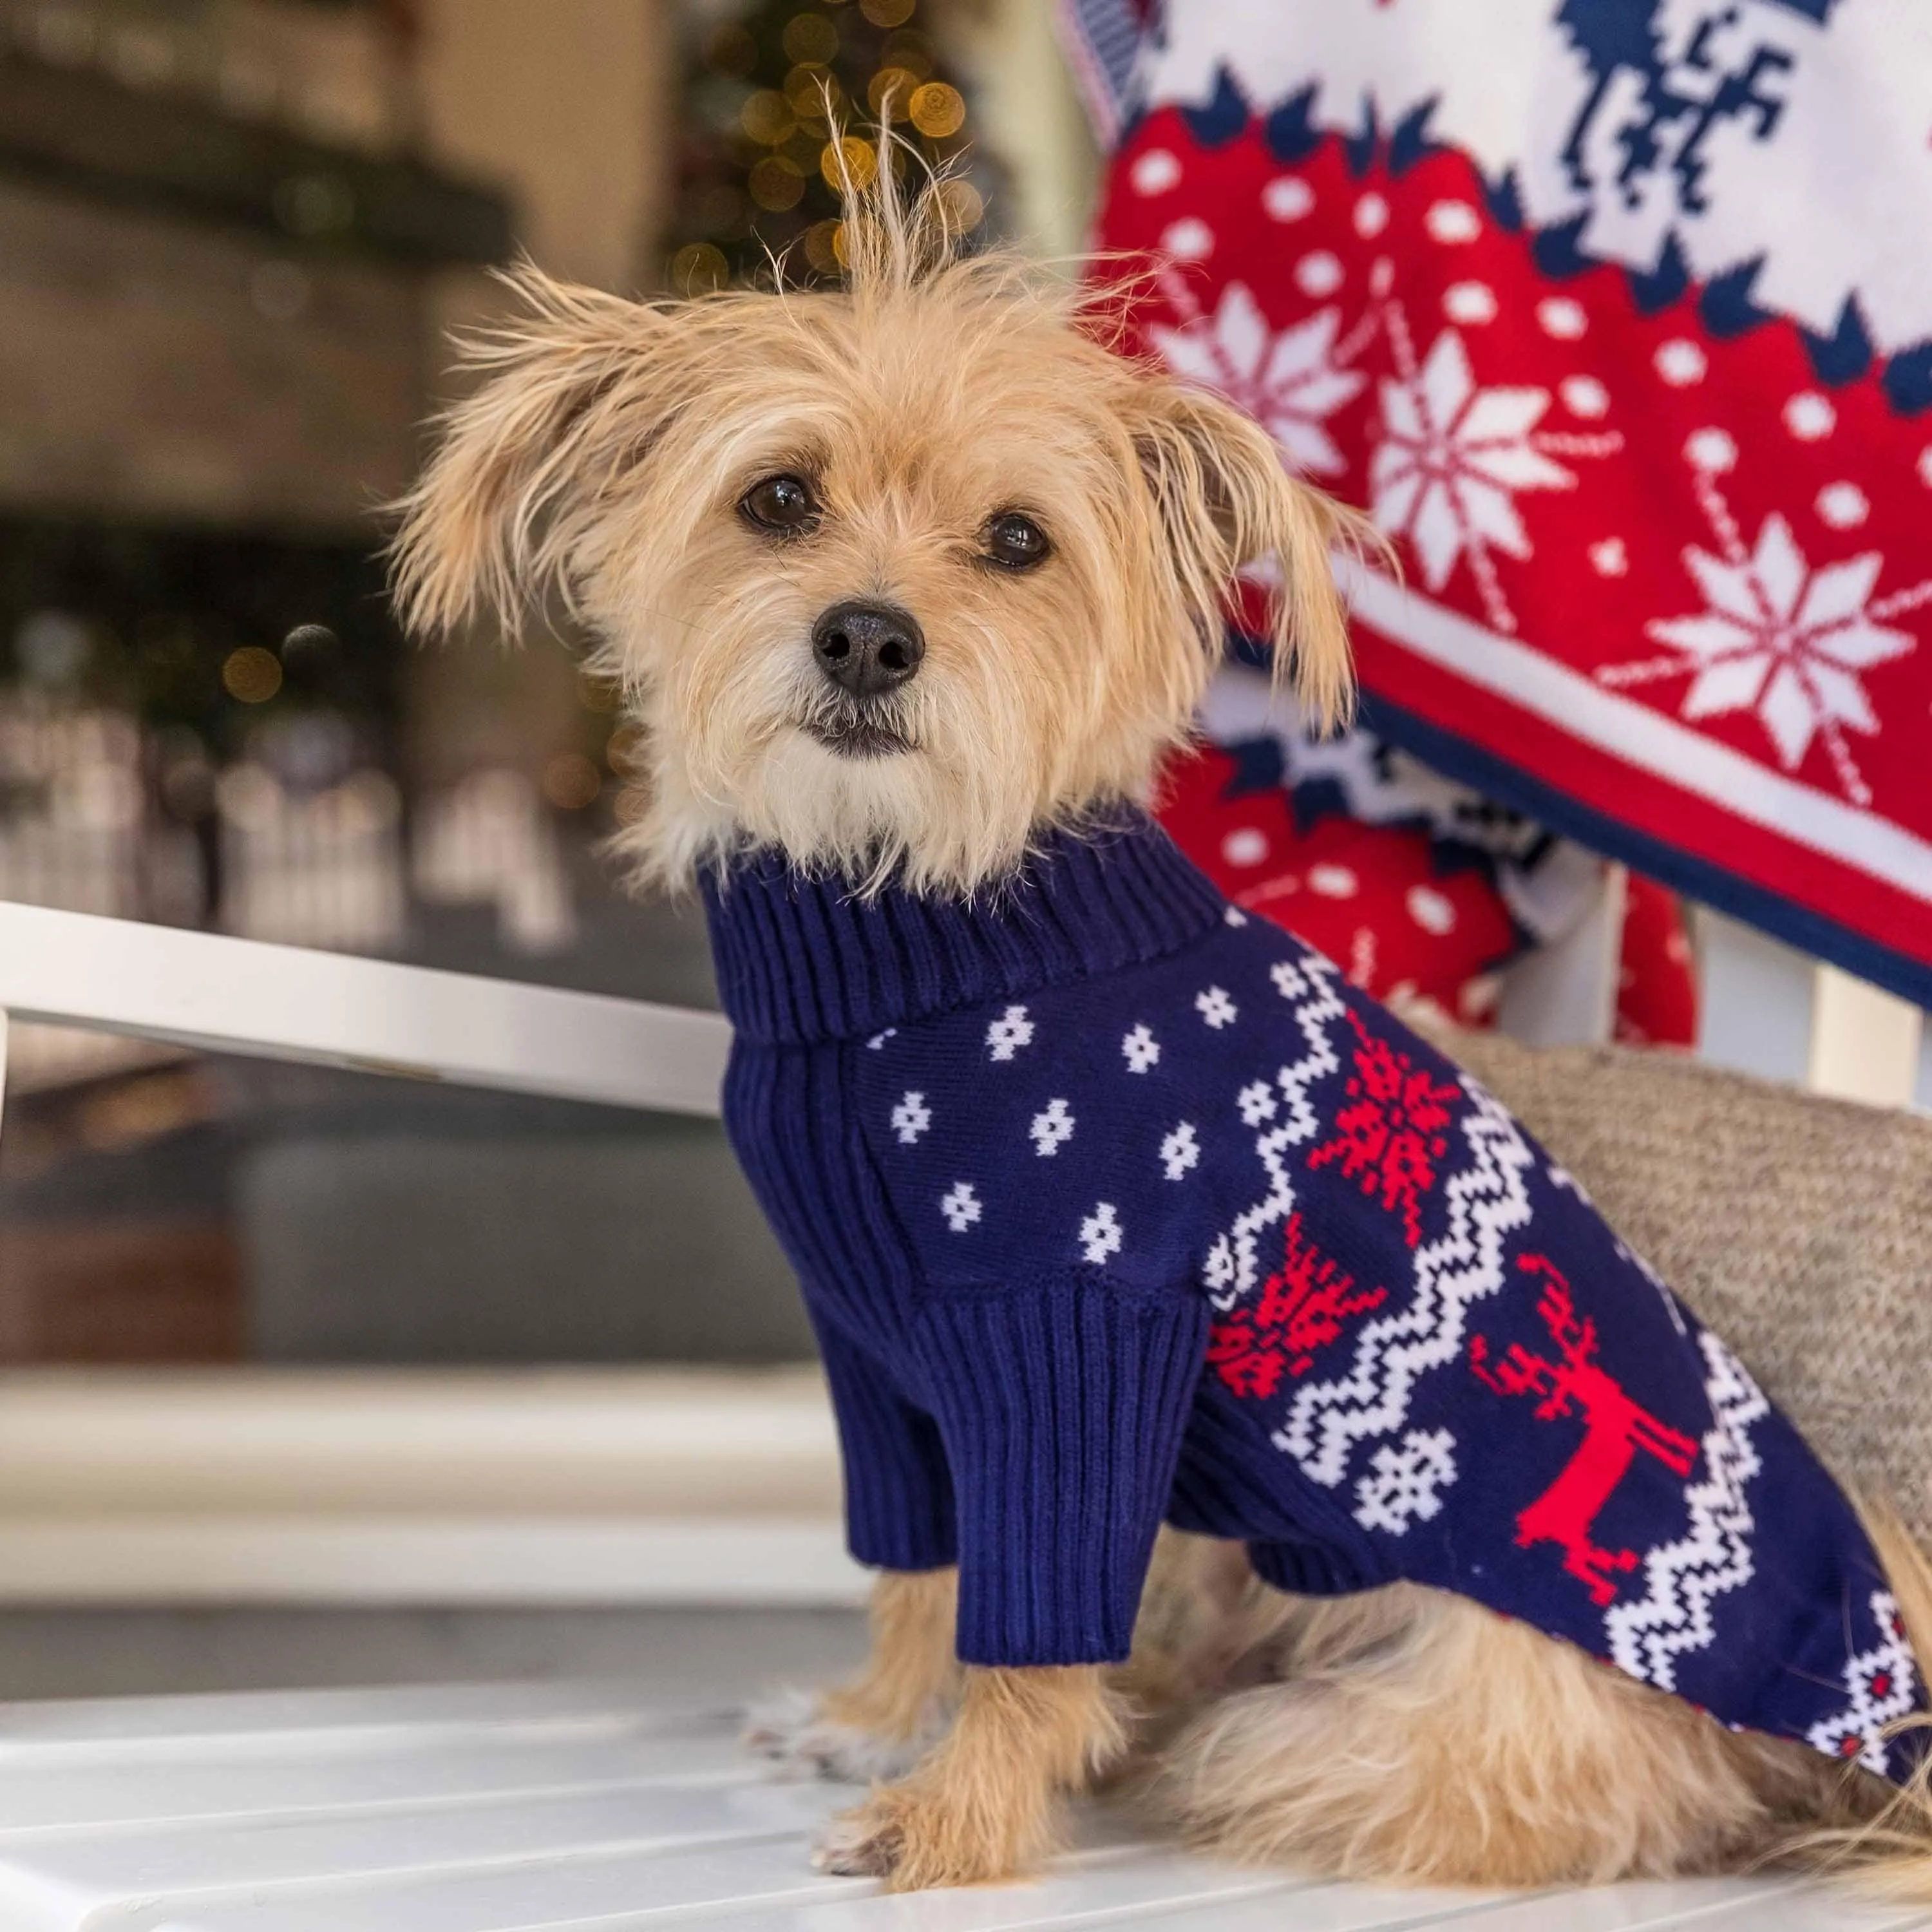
(1617, 316)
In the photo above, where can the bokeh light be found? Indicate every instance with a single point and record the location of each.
(251, 675)
(938, 110)
(571, 782)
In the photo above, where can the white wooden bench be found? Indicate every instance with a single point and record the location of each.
(487, 1809)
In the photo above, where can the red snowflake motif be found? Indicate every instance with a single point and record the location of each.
(1390, 1135)
(1301, 1311)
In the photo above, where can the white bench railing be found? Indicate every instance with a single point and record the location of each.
(384, 1485)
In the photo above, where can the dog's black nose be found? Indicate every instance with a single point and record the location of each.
(868, 649)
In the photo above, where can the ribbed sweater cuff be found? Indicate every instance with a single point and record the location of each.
(898, 1493)
(1063, 1411)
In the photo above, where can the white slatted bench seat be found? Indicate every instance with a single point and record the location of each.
(537, 1807)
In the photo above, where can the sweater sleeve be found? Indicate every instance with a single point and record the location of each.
(898, 1492)
(1062, 1408)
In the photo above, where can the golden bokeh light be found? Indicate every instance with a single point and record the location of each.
(892, 85)
(698, 269)
(886, 13)
(767, 117)
(938, 110)
(251, 675)
(777, 183)
(809, 37)
(859, 162)
(963, 204)
(571, 782)
(822, 246)
(808, 87)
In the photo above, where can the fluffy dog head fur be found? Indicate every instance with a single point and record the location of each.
(612, 453)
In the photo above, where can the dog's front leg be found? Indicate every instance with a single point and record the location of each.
(877, 1726)
(984, 1802)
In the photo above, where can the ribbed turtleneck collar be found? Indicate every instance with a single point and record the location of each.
(802, 957)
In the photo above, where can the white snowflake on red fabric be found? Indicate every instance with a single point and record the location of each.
(1452, 460)
(1780, 638)
(1291, 383)
(910, 1118)
(1052, 1128)
(1100, 1233)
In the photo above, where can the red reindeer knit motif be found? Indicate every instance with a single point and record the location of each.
(1615, 1428)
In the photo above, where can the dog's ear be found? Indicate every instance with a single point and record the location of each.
(563, 405)
(1226, 503)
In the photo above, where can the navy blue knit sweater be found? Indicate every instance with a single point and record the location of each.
(1112, 1205)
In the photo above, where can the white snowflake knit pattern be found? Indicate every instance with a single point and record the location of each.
(1180, 1151)
(1140, 1049)
(1216, 1007)
(1405, 1484)
(1100, 1233)
(1052, 1128)
(1007, 1034)
(910, 1118)
(961, 1206)
(1647, 1635)
(1880, 1684)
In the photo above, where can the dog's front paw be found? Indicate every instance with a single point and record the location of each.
(792, 1728)
(913, 1838)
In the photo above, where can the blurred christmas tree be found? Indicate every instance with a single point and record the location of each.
(768, 92)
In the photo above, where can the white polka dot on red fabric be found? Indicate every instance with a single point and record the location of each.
(1433, 911)
(1245, 845)
(1608, 558)
(1381, 277)
(1319, 274)
(1470, 302)
(1680, 362)
(1562, 317)
(1188, 240)
(1584, 396)
(1288, 198)
(1712, 450)
(1333, 882)
(1450, 222)
(1843, 505)
(1810, 416)
(1925, 466)
(1154, 172)
(1371, 215)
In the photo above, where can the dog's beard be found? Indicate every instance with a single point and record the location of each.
(877, 728)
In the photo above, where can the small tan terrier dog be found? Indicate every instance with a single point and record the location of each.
(901, 580)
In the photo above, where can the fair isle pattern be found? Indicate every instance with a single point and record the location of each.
(1337, 1306)
(1328, 1421)
(1309, 987)
(1566, 291)
(1683, 1577)
(1882, 1685)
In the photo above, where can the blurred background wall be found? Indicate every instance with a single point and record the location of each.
(234, 237)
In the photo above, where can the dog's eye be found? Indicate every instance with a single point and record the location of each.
(782, 503)
(1016, 542)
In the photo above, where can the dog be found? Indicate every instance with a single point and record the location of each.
(910, 586)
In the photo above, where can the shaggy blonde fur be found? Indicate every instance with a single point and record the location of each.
(606, 451)
(606, 458)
